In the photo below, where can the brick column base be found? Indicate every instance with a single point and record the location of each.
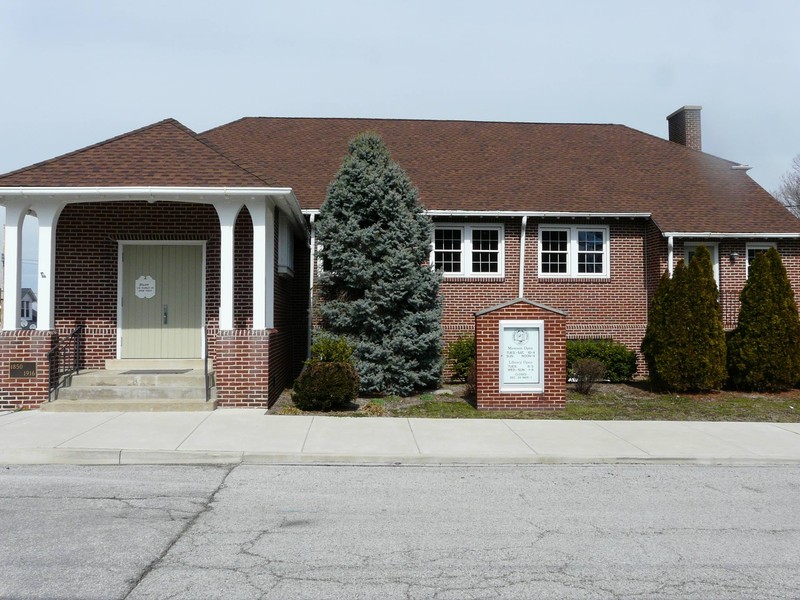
(25, 346)
(241, 368)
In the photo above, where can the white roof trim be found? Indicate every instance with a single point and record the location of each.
(143, 191)
(524, 213)
(711, 234)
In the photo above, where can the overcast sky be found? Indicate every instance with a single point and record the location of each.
(75, 72)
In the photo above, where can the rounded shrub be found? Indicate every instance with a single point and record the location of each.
(325, 385)
(587, 371)
(619, 361)
(331, 348)
(461, 354)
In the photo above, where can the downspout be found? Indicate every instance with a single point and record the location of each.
(670, 252)
(313, 261)
(523, 231)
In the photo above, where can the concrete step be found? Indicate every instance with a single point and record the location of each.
(133, 392)
(134, 364)
(191, 377)
(129, 405)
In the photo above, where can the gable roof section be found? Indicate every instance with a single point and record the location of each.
(526, 167)
(163, 154)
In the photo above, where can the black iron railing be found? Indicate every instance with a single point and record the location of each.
(205, 361)
(65, 360)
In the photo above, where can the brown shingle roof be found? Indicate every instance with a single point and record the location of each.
(489, 166)
(457, 165)
(163, 154)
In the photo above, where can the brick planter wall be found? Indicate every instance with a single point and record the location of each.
(487, 326)
(28, 346)
(242, 368)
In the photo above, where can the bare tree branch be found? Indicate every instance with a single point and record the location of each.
(789, 192)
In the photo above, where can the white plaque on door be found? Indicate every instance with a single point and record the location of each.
(145, 287)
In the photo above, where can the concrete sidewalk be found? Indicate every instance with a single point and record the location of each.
(251, 436)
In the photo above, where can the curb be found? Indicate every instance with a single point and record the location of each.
(72, 456)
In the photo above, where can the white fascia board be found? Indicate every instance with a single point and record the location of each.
(711, 234)
(141, 192)
(524, 213)
(537, 214)
(288, 204)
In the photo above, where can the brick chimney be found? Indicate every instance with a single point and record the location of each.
(684, 127)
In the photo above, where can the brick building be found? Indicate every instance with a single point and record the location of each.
(580, 217)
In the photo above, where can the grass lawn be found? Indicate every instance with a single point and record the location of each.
(631, 402)
(608, 402)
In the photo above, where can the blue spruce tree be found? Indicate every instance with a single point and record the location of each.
(376, 286)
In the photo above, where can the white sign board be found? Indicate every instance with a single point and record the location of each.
(521, 356)
(145, 287)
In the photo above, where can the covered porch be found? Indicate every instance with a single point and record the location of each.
(162, 274)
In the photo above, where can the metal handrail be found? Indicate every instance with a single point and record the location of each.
(205, 361)
(64, 360)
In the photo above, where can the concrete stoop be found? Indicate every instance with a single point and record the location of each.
(141, 385)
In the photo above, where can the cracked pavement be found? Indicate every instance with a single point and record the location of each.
(263, 532)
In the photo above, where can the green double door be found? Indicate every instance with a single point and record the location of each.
(162, 301)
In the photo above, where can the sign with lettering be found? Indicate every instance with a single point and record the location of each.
(145, 287)
(521, 356)
(22, 369)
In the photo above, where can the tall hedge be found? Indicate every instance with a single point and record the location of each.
(684, 344)
(764, 349)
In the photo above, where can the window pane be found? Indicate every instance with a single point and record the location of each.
(485, 251)
(554, 251)
(447, 250)
(484, 262)
(485, 239)
(590, 252)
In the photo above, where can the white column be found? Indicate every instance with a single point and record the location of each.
(47, 215)
(227, 213)
(670, 253)
(12, 276)
(262, 212)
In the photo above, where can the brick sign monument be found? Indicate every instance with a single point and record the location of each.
(521, 353)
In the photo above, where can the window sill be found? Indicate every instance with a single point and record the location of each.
(473, 279)
(542, 279)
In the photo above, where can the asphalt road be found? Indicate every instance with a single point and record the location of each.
(405, 532)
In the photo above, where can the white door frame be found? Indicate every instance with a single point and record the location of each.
(120, 248)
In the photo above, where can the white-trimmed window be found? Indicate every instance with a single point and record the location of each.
(468, 250)
(285, 245)
(754, 250)
(689, 248)
(26, 311)
(580, 251)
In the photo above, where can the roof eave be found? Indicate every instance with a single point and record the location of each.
(744, 234)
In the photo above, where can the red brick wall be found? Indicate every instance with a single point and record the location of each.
(28, 346)
(615, 307)
(487, 326)
(243, 368)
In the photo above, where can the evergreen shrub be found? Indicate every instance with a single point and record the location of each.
(619, 361)
(330, 348)
(376, 286)
(462, 354)
(764, 349)
(684, 344)
(325, 386)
